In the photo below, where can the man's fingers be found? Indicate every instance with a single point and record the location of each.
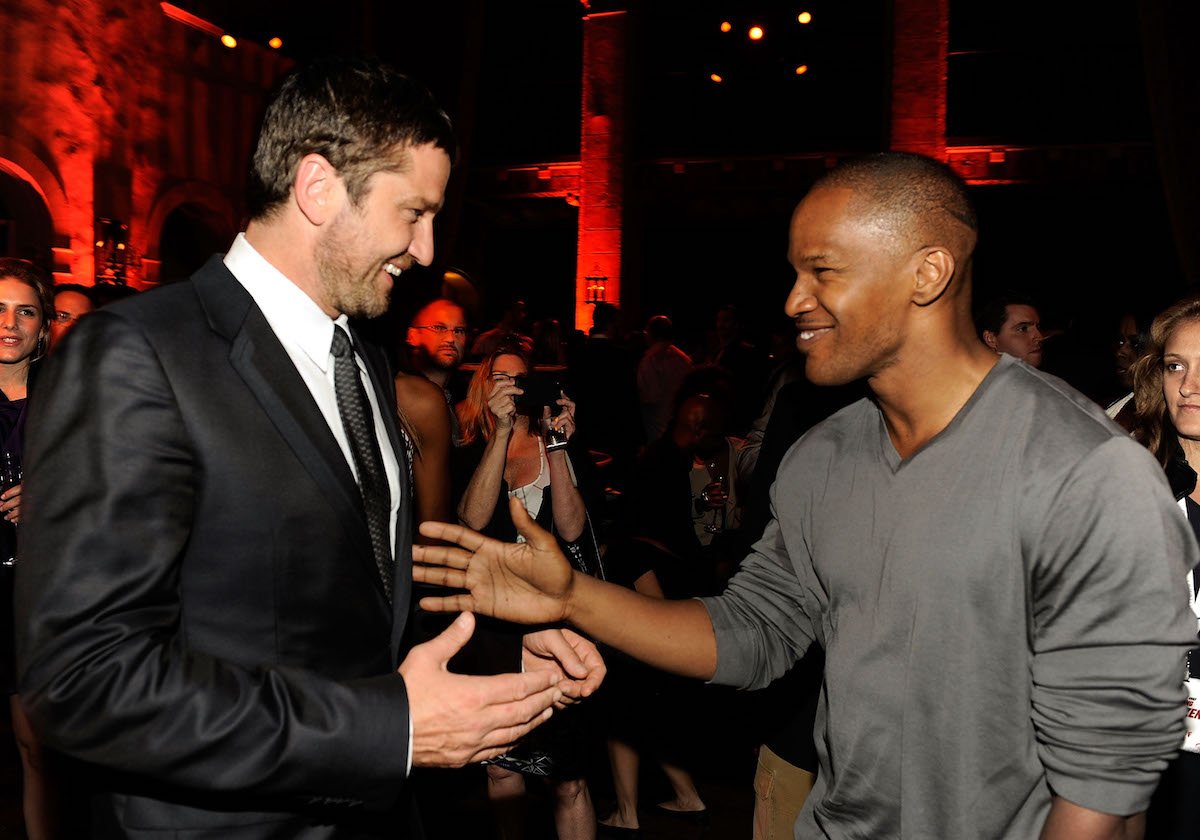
(445, 603)
(554, 643)
(438, 576)
(589, 654)
(448, 555)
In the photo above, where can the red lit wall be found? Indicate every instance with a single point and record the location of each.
(921, 37)
(112, 110)
(602, 159)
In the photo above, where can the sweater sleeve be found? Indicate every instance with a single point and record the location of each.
(1110, 627)
(762, 620)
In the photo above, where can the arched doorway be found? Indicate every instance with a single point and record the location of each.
(190, 235)
(25, 227)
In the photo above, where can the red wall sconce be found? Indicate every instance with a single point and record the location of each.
(597, 288)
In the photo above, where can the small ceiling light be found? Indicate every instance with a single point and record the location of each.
(726, 26)
(716, 78)
(229, 41)
(804, 17)
(275, 43)
(756, 33)
(802, 69)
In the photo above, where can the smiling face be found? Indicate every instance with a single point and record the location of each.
(1181, 379)
(22, 322)
(369, 244)
(850, 301)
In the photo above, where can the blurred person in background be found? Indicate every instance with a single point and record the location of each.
(71, 302)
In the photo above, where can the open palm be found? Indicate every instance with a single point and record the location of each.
(527, 582)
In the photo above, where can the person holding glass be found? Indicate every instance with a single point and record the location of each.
(512, 447)
(26, 312)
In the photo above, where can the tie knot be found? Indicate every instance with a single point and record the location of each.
(341, 342)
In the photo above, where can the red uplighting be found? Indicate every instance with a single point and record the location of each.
(275, 43)
(726, 26)
(716, 78)
(802, 69)
(804, 17)
(229, 41)
(756, 33)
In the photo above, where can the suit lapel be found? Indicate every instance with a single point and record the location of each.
(258, 357)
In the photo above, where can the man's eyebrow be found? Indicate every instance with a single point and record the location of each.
(810, 259)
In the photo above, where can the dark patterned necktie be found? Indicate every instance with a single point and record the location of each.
(355, 410)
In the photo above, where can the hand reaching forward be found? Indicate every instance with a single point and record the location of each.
(458, 719)
(574, 661)
(529, 582)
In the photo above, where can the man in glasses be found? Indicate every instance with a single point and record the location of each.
(437, 340)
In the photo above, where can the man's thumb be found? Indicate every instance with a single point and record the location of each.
(451, 640)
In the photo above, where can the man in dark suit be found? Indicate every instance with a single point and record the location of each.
(215, 576)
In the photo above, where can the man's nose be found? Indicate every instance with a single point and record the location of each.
(800, 299)
(421, 247)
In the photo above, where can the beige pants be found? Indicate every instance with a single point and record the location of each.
(780, 790)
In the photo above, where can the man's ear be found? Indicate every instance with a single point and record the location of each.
(989, 338)
(934, 270)
(318, 189)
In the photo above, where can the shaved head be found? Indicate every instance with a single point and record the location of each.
(914, 198)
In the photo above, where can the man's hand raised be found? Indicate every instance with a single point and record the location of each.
(529, 582)
(458, 719)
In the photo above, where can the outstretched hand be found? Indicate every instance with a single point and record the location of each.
(529, 582)
(574, 660)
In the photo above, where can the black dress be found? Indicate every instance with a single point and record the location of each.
(558, 749)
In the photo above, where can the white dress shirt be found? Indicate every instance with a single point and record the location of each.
(306, 333)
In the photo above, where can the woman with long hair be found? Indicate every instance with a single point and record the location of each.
(26, 312)
(1166, 388)
(512, 448)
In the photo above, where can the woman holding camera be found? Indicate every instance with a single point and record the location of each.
(513, 446)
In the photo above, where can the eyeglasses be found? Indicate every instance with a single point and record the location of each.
(442, 329)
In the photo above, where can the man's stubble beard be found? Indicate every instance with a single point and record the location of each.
(342, 289)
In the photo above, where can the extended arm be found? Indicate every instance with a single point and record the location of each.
(531, 582)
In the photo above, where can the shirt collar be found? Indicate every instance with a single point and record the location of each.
(294, 317)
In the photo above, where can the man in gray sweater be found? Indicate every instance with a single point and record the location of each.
(993, 569)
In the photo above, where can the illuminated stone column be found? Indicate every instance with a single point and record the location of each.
(602, 159)
(921, 36)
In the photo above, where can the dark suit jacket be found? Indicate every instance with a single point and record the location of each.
(199, 611)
